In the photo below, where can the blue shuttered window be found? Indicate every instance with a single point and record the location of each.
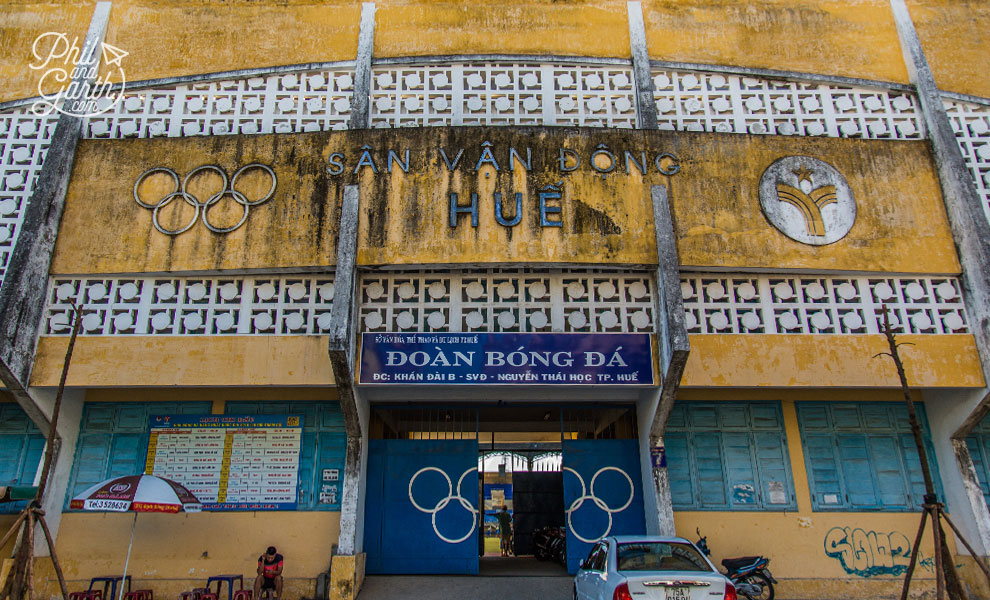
(861, 456)
(21, 447)
(113, 439)
(979, 449)
(728, 456)
(324, 443)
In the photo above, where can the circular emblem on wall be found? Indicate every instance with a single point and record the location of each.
(808, 200)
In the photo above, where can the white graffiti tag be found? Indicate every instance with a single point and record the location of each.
(868, 553)
(585, 495)
(443, 502)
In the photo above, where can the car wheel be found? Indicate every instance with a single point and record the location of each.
(759, 580)
(574, 593)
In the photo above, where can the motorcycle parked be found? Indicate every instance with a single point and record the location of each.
(749, 574)
(550, 543)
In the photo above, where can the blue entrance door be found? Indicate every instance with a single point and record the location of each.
(421, 507)
(602, 494)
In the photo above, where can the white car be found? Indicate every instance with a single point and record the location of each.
(628, 567)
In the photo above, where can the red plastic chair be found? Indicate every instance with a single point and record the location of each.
(243, 594)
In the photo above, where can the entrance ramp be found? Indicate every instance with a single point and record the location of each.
(461, 587)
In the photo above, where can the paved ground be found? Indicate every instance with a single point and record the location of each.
(499, 579)
(446, 587)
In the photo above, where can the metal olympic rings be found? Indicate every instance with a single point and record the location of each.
(445, 501)
(202, 208)
(597, 501)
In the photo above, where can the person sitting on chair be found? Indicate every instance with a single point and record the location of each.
(269, 574)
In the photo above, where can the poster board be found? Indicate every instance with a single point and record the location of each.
(229, 462)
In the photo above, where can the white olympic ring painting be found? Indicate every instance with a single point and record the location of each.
(589, 494)
(443, 502)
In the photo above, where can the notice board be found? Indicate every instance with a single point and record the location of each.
(229, 462)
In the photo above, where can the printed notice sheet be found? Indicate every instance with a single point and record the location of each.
(229, 462)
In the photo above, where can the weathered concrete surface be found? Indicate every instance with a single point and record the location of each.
(347, 568)
(646, 107)
(25, 283)
(901, 224)
(361, 98)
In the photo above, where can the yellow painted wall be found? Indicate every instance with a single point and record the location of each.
(582, 28)
(20, 24)
(173, 361)
(955, 35)
(901, 224)
(854, 38)
(174, 553)
(200, 37)
(829, 361)
(849, 38)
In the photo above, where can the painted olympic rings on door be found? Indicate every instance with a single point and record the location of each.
(180, 191)
(445, 501)
(585, 495)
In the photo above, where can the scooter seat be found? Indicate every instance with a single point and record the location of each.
(733, 564)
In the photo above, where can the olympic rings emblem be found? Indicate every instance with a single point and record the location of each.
(585, 495)
(202, 208)
(445, 501)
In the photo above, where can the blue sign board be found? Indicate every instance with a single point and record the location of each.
(507, 358)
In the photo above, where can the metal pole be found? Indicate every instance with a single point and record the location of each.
(127, 560)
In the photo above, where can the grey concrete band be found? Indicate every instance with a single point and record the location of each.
(672, 336)
(342, 351)
(360, 104)
(25, 283)
(646, 108)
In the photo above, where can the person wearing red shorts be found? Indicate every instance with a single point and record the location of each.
(269, 573)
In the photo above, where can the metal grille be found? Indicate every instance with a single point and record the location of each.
(599, 423)
(424, 423)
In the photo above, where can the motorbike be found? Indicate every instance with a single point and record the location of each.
(749, 574)
(550, 543)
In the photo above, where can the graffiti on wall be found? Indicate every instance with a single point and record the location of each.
(870, 553)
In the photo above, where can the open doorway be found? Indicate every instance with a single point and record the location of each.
(422, 517)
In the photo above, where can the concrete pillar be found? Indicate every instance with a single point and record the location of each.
(25, 283)
(971, 233)
(361, 102)
(646, 108)
(347, 567)
(946, 410)
(69, 421)
(672, 341)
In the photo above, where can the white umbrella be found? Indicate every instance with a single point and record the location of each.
(136, 493)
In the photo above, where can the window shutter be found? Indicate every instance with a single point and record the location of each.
(679, 470)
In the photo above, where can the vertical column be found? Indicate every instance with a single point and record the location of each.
(69, 420)
(971, 233)
(672, 342)
(22, 295)
(646, 108)
(347, 567)
(361, 104)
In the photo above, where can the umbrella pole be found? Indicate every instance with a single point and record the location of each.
(127, 560)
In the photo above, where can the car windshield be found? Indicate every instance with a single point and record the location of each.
(660, 556)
